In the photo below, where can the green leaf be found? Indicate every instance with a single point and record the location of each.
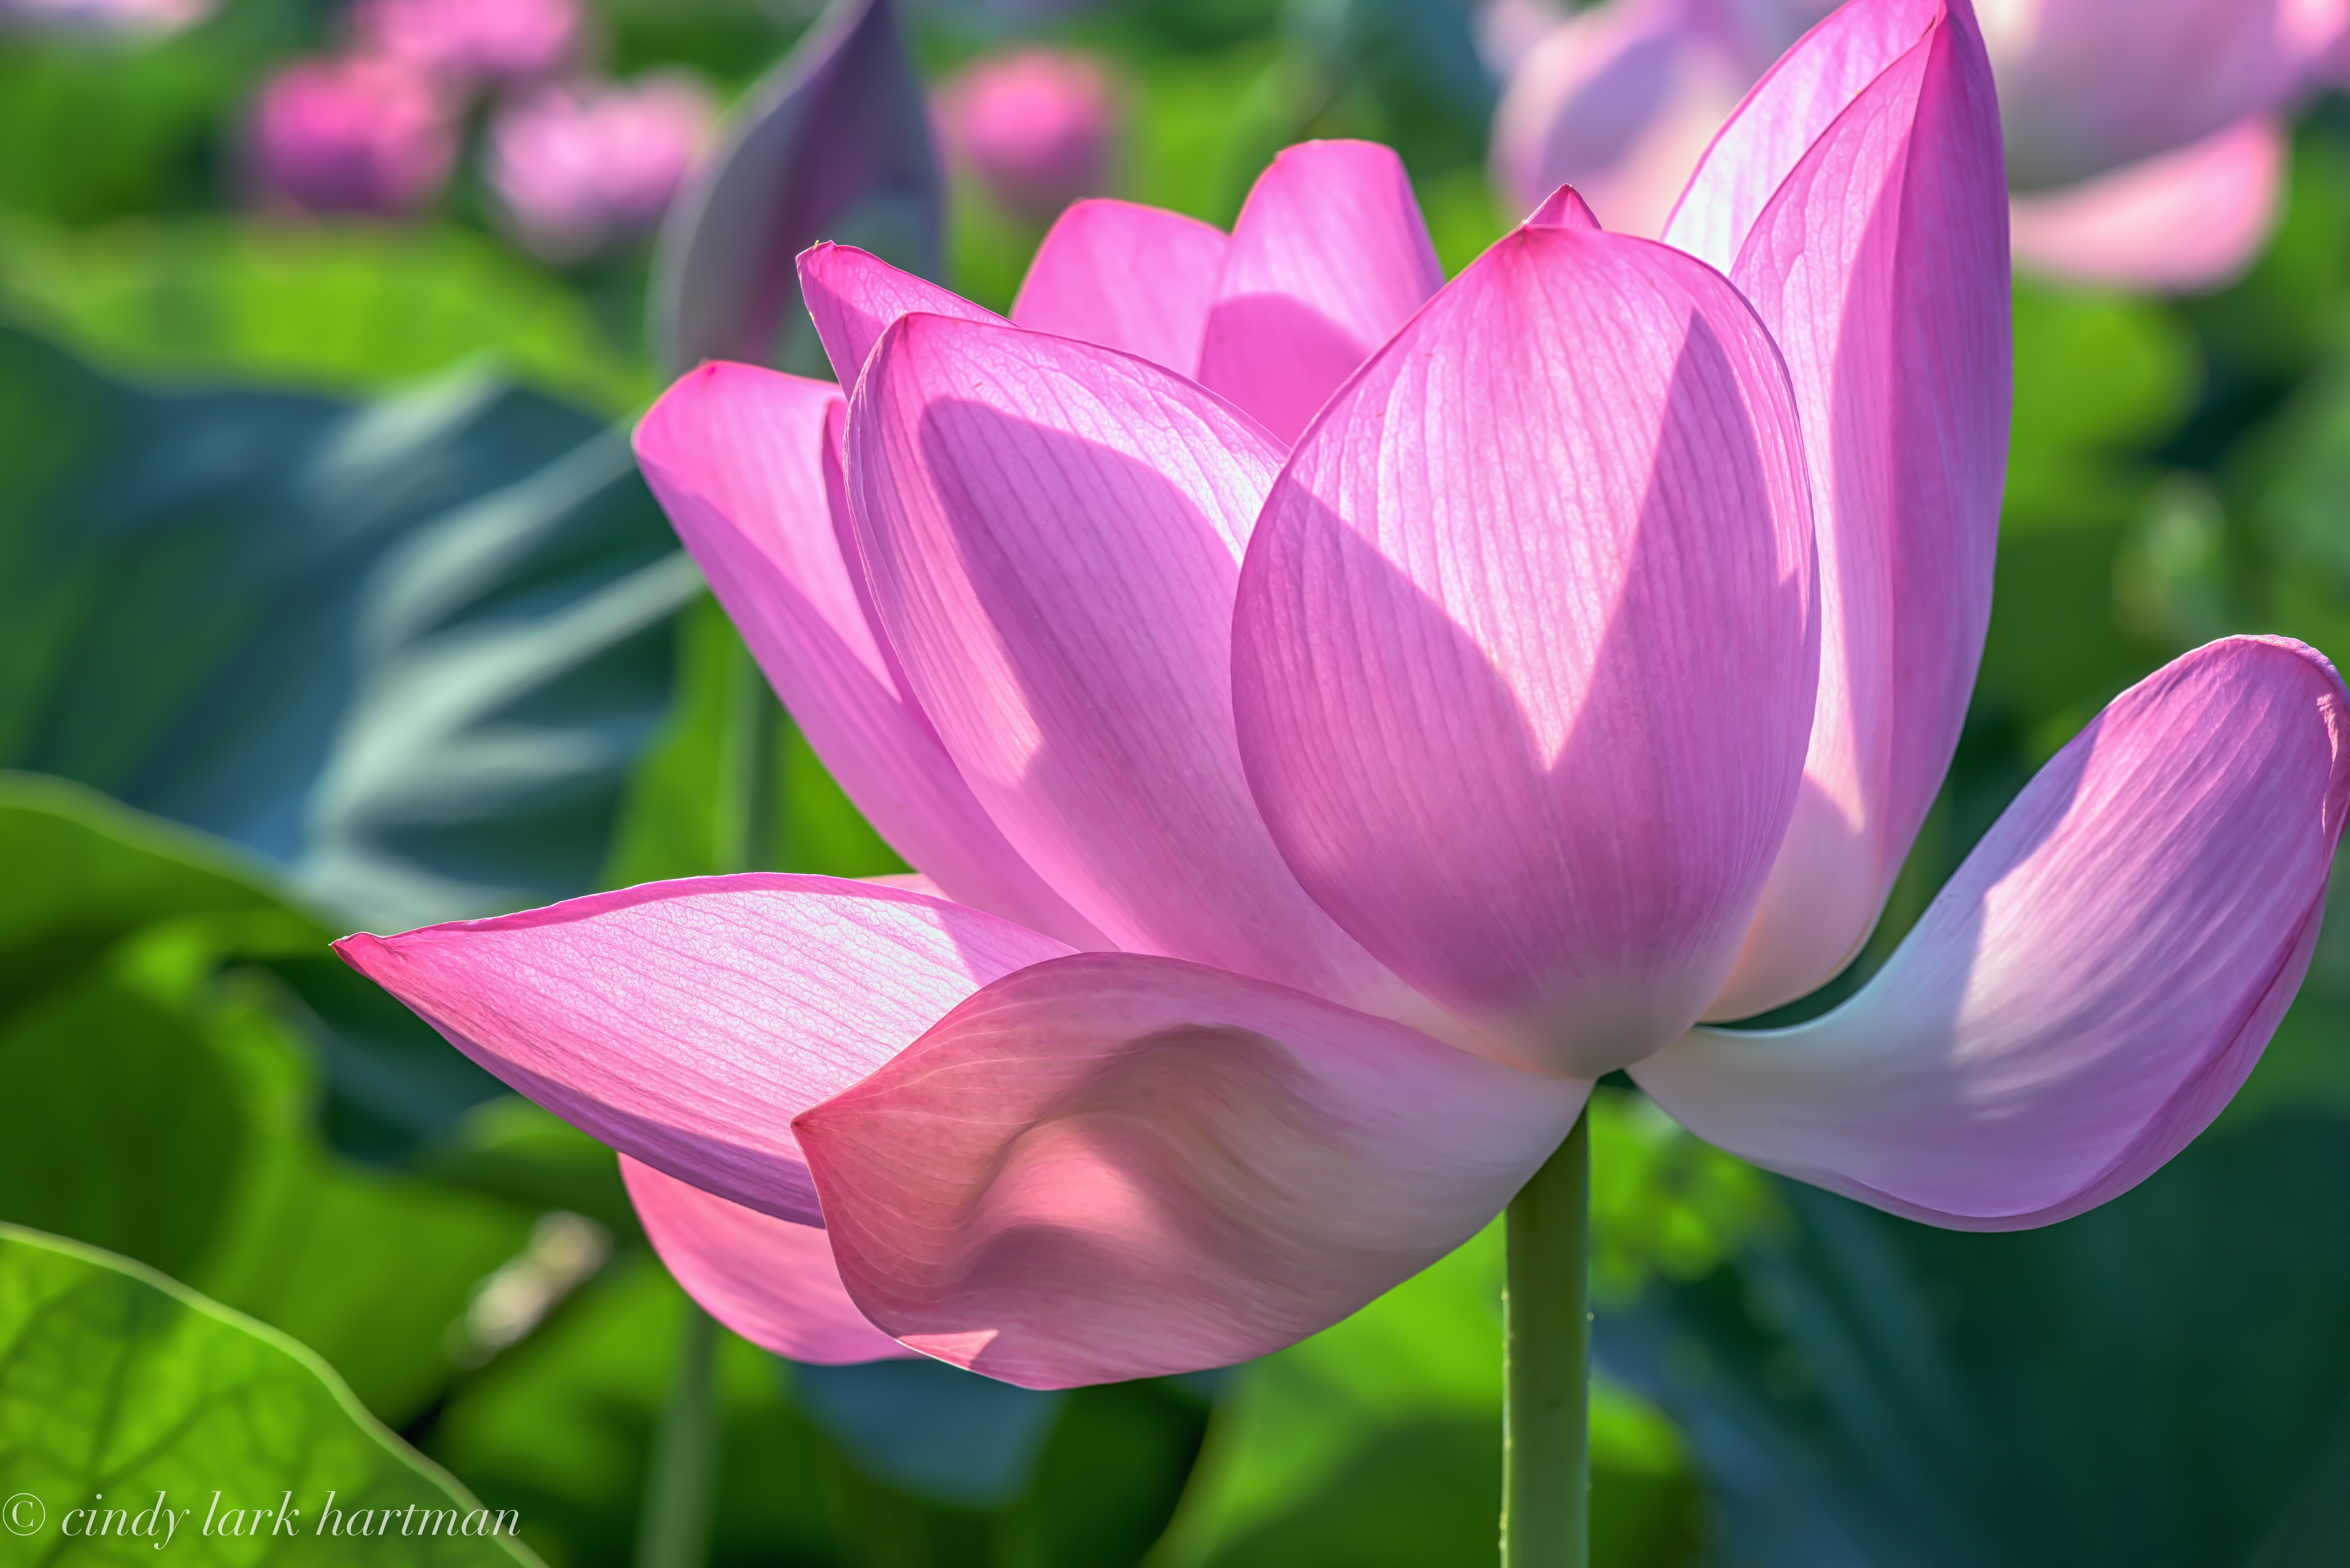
(123, 1393)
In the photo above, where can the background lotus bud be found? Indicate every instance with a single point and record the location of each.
(472, 40)
(126, 18)
(580, 165)
(1034, 126)
(362, 135)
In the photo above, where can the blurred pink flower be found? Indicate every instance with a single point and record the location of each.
(472, 40)
(1340, 713)
(580, 164)
(1034, 125)
(2144, 137)
(119, 18)
(351, 135)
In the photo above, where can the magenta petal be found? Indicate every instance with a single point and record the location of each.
(1053, 531)
(1115, 1167)
(1563, 209)
(2177, 224)
(769, 1279)
(853, 295)
(1880, 267)
(2091, 986)
(1328, 258)
(1524, 649)
(685, 1023)
(738, 456)
(1125, 276)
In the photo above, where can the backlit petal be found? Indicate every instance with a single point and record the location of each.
(1116, 1166)
(1328, 258)
(1524, 649)
(685, 1023)
(2091, 986)
(1125, 276)
(853, 295)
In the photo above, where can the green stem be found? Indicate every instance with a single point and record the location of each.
(1546, 1352)
(681, 1485)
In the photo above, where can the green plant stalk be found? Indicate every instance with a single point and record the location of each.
(682, 1483)
(1546, 1356)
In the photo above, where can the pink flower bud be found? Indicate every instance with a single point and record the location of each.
(362, 135)
(472, 40)
(579, 165)
(1034, 126)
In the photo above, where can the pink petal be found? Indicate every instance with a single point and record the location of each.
(769, 1279)
(737, 456)
(2091, 986)
(1786, 113)
(2175, 223)
(853, 295)
(1619, 101)
(1053, 531)
(1125, 276)
(1115, 1167)
(1880, 267)
(1563, 209)
(685, 1023)
(1329, 257)
(1524, 651)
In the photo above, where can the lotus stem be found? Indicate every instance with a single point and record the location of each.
(1546, 1356)
(682, 1483)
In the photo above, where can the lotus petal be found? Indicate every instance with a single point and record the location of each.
(1125, 276)
(2178, 222)
(854, 295)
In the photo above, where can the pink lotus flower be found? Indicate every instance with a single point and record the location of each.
(1309, 823)
(351, 136)
(580, 165)
(471, 41)
(1034, 125)
(2146, 138)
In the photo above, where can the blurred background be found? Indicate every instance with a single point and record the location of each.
(329, 598)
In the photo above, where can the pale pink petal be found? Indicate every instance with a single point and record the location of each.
(2091, 986)
(1880, 267)
(2177, 224)
(1619, 101)
(2087, 87)
(1125, 276)
(853, 295)
(685, 1023)
(1118, 1166)
(738, 457)
(769, 1279)
(1525, 649)
(1328, 258)
(1053, 531)
(1786, 113)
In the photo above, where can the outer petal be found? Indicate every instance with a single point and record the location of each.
(1619, 101)
(1524, 649)
(1880, 266)
(1328, 258)
(769, 1279)
(853, 297)
(1117, 1166)
(2178, 222)
(2089, 85)
(1053, 532)
(685, 1023)
(1125, 276)
(2091, 986)
(737, 456)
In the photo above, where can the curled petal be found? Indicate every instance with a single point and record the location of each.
(853, 297)
(738, 457)
(1053, 531)
(1125, 276)
(1118, 1165)
(769, 1279)
(1880, 267)
(1328, 258)
(2093, 984)
(685, 1023)
(1525, 649)
(2177, 224)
